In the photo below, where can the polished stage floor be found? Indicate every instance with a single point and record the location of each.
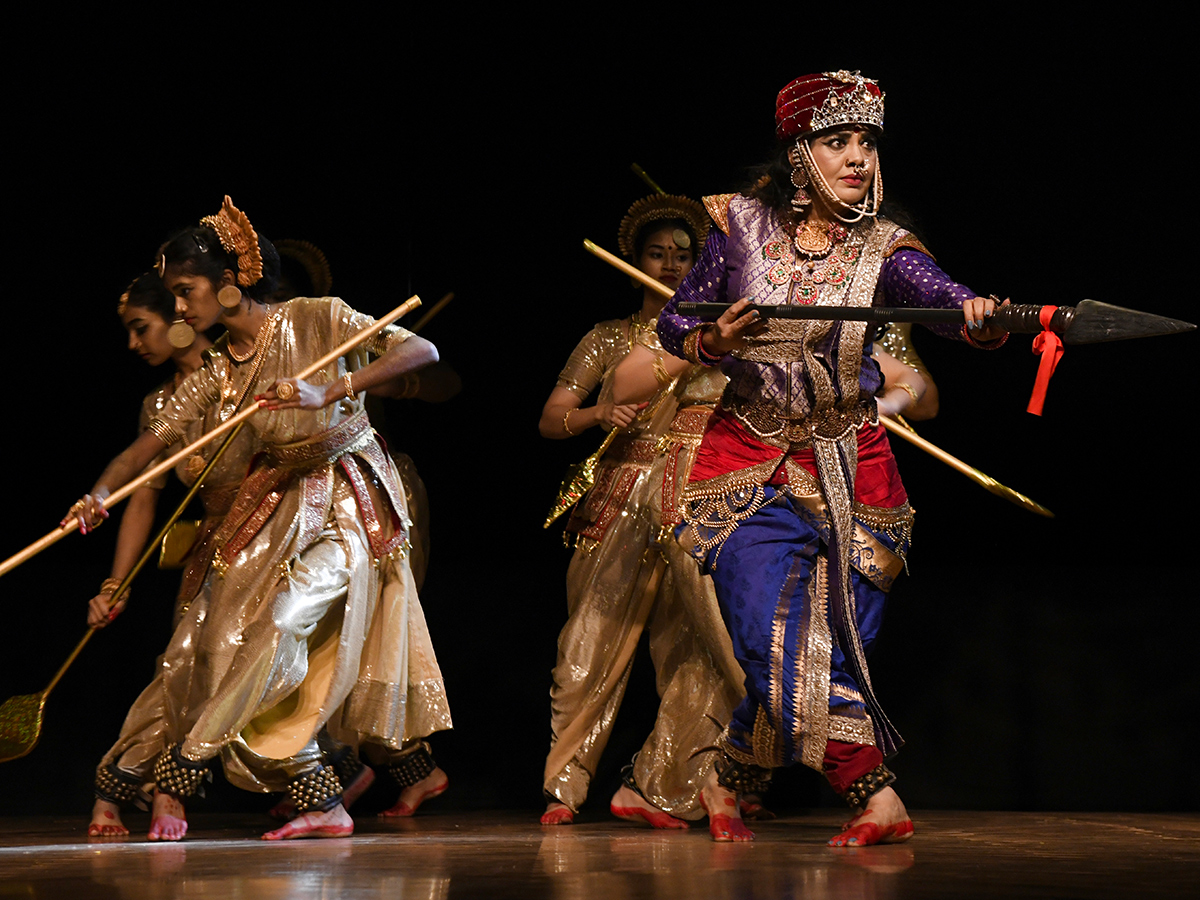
(501, 855)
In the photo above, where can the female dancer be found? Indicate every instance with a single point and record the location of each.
(618, 581)
(794, 504)
(311, 617)
(147, 310)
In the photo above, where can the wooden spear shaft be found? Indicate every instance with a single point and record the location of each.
(166, 465)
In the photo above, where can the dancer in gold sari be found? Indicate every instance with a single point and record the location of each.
(311, 617)
(623, 577)
(147, 310)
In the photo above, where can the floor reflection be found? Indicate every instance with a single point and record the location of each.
(506, 855)
(677, 866)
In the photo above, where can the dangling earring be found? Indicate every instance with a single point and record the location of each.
(801, 200)
(181, 334)
(229, 296)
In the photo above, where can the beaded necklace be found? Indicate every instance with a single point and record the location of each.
(229, 391)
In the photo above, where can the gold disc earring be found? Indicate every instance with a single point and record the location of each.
(229, 296)
(181, 334)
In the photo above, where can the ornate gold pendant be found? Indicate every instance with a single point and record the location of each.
(813, 243)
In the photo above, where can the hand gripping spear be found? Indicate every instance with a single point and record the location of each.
(1088, 323)
(21, 716)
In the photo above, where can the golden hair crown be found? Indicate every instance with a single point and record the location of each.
(239, 239)
(657, 207)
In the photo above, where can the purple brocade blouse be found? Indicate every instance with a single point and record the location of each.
(757, 259)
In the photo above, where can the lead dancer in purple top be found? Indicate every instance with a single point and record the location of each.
(794, 504)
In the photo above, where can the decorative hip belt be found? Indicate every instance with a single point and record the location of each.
(352, 434)
(640, 451)
(767, 422)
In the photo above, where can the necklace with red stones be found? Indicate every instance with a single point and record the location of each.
(816, 244)
(814, 241)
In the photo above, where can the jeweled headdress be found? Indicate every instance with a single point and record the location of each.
(816, 102)
(239, 239)
(656, 207)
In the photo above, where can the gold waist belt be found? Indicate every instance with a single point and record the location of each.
(768, 423)
(326, 447)
(632, 450)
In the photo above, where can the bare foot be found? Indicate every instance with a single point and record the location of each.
(106, 820)
(332, 823)
(557, 814)
(168, 821)
(633, 807)
(724, 818)
(432, 785)
(885, 821)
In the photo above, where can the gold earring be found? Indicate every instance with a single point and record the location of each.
(229, 296)
(181, 334)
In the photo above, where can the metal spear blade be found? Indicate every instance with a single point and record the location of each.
(1095, 322)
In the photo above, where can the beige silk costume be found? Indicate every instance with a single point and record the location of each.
(312, 617)
(145, 732)
(628, 574)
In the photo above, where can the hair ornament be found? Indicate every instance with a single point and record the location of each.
(312, 259)
(657, 207)
(239, 239)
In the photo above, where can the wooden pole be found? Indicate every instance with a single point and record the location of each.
(166, 465)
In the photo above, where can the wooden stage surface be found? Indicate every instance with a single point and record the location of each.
(443, 855)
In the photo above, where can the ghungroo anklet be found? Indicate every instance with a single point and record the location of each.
(173, 774)
(345, 764)
(742, 778)
(414, 765)
(627, 776)
(317, 791)
(116, 786)
(867, 786)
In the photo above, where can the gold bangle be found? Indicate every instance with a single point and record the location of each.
(412, 384)
(349, 386)
(108, 585)
(566, 427)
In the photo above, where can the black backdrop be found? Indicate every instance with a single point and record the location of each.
(1031, 664)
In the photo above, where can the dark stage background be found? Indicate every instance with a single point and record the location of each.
(1030, 663)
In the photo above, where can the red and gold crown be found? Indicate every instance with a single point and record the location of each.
(816, 102)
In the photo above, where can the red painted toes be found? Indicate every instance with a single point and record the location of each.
(560, 815)
(727, 828)
(869, 833)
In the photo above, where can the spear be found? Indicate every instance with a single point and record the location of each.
(1090, 322)
(169, 463)
(989, 483)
